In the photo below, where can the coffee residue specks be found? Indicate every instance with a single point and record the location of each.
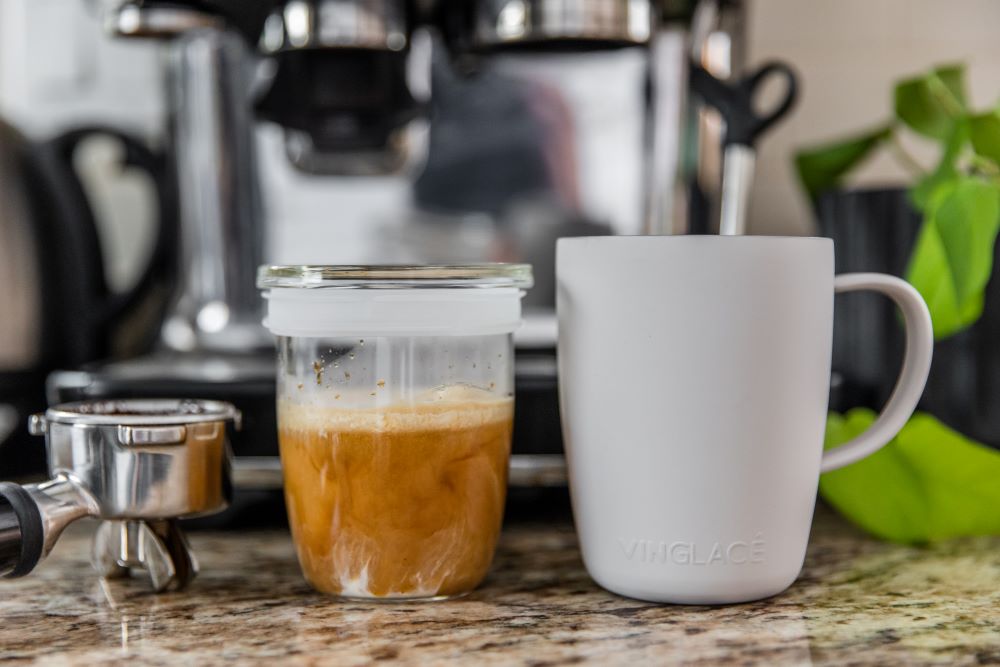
(372, 394)
(381, 384)
(318, 370)
(336, 397)
(493, 385)
(300, 386)
(347, 376)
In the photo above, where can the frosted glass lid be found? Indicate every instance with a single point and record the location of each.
(390, 276)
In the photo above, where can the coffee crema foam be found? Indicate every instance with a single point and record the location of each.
(456, 407)
(397, 501)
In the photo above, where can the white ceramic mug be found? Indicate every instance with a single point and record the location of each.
(694, 376)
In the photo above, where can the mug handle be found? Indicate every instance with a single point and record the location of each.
(912, 378)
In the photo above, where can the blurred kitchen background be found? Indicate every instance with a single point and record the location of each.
(59, 68)
(479, 140)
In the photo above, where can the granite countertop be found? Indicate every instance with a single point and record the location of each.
(858, 601)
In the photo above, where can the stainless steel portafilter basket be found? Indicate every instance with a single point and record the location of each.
(138, 465)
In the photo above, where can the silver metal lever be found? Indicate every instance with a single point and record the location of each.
(737, 179)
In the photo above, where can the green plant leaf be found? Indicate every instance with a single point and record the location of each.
(931, 104)
(928, 273)
(960, 199)
(984, 130)
(822, 167)
(930, 483)
(968, 220)
(953, 258)
(953, 78)
(947, 168)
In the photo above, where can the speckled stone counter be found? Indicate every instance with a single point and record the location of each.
(857, 602)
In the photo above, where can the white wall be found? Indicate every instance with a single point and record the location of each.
(58, 69)
(849, 53)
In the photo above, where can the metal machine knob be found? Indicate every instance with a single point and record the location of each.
(583, 23)
(336, 24)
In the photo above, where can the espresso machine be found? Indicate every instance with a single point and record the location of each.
(512, 122)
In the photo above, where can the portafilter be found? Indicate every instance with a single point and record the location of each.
(139, 466)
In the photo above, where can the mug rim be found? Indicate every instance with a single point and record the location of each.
(647, 238)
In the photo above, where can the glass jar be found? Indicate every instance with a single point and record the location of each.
(395, 410)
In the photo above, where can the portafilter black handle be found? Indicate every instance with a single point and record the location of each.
(22, 533)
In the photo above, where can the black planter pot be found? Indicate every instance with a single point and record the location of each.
(875, 230)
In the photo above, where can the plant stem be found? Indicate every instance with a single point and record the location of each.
(984, 166)
(905, 159)
(951, 103)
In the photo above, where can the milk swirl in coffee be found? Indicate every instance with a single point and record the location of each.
(404, 500)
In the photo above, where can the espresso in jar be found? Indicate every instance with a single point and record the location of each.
(395, 400)
(402, 501)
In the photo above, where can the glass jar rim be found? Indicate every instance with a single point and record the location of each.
(395, 276)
